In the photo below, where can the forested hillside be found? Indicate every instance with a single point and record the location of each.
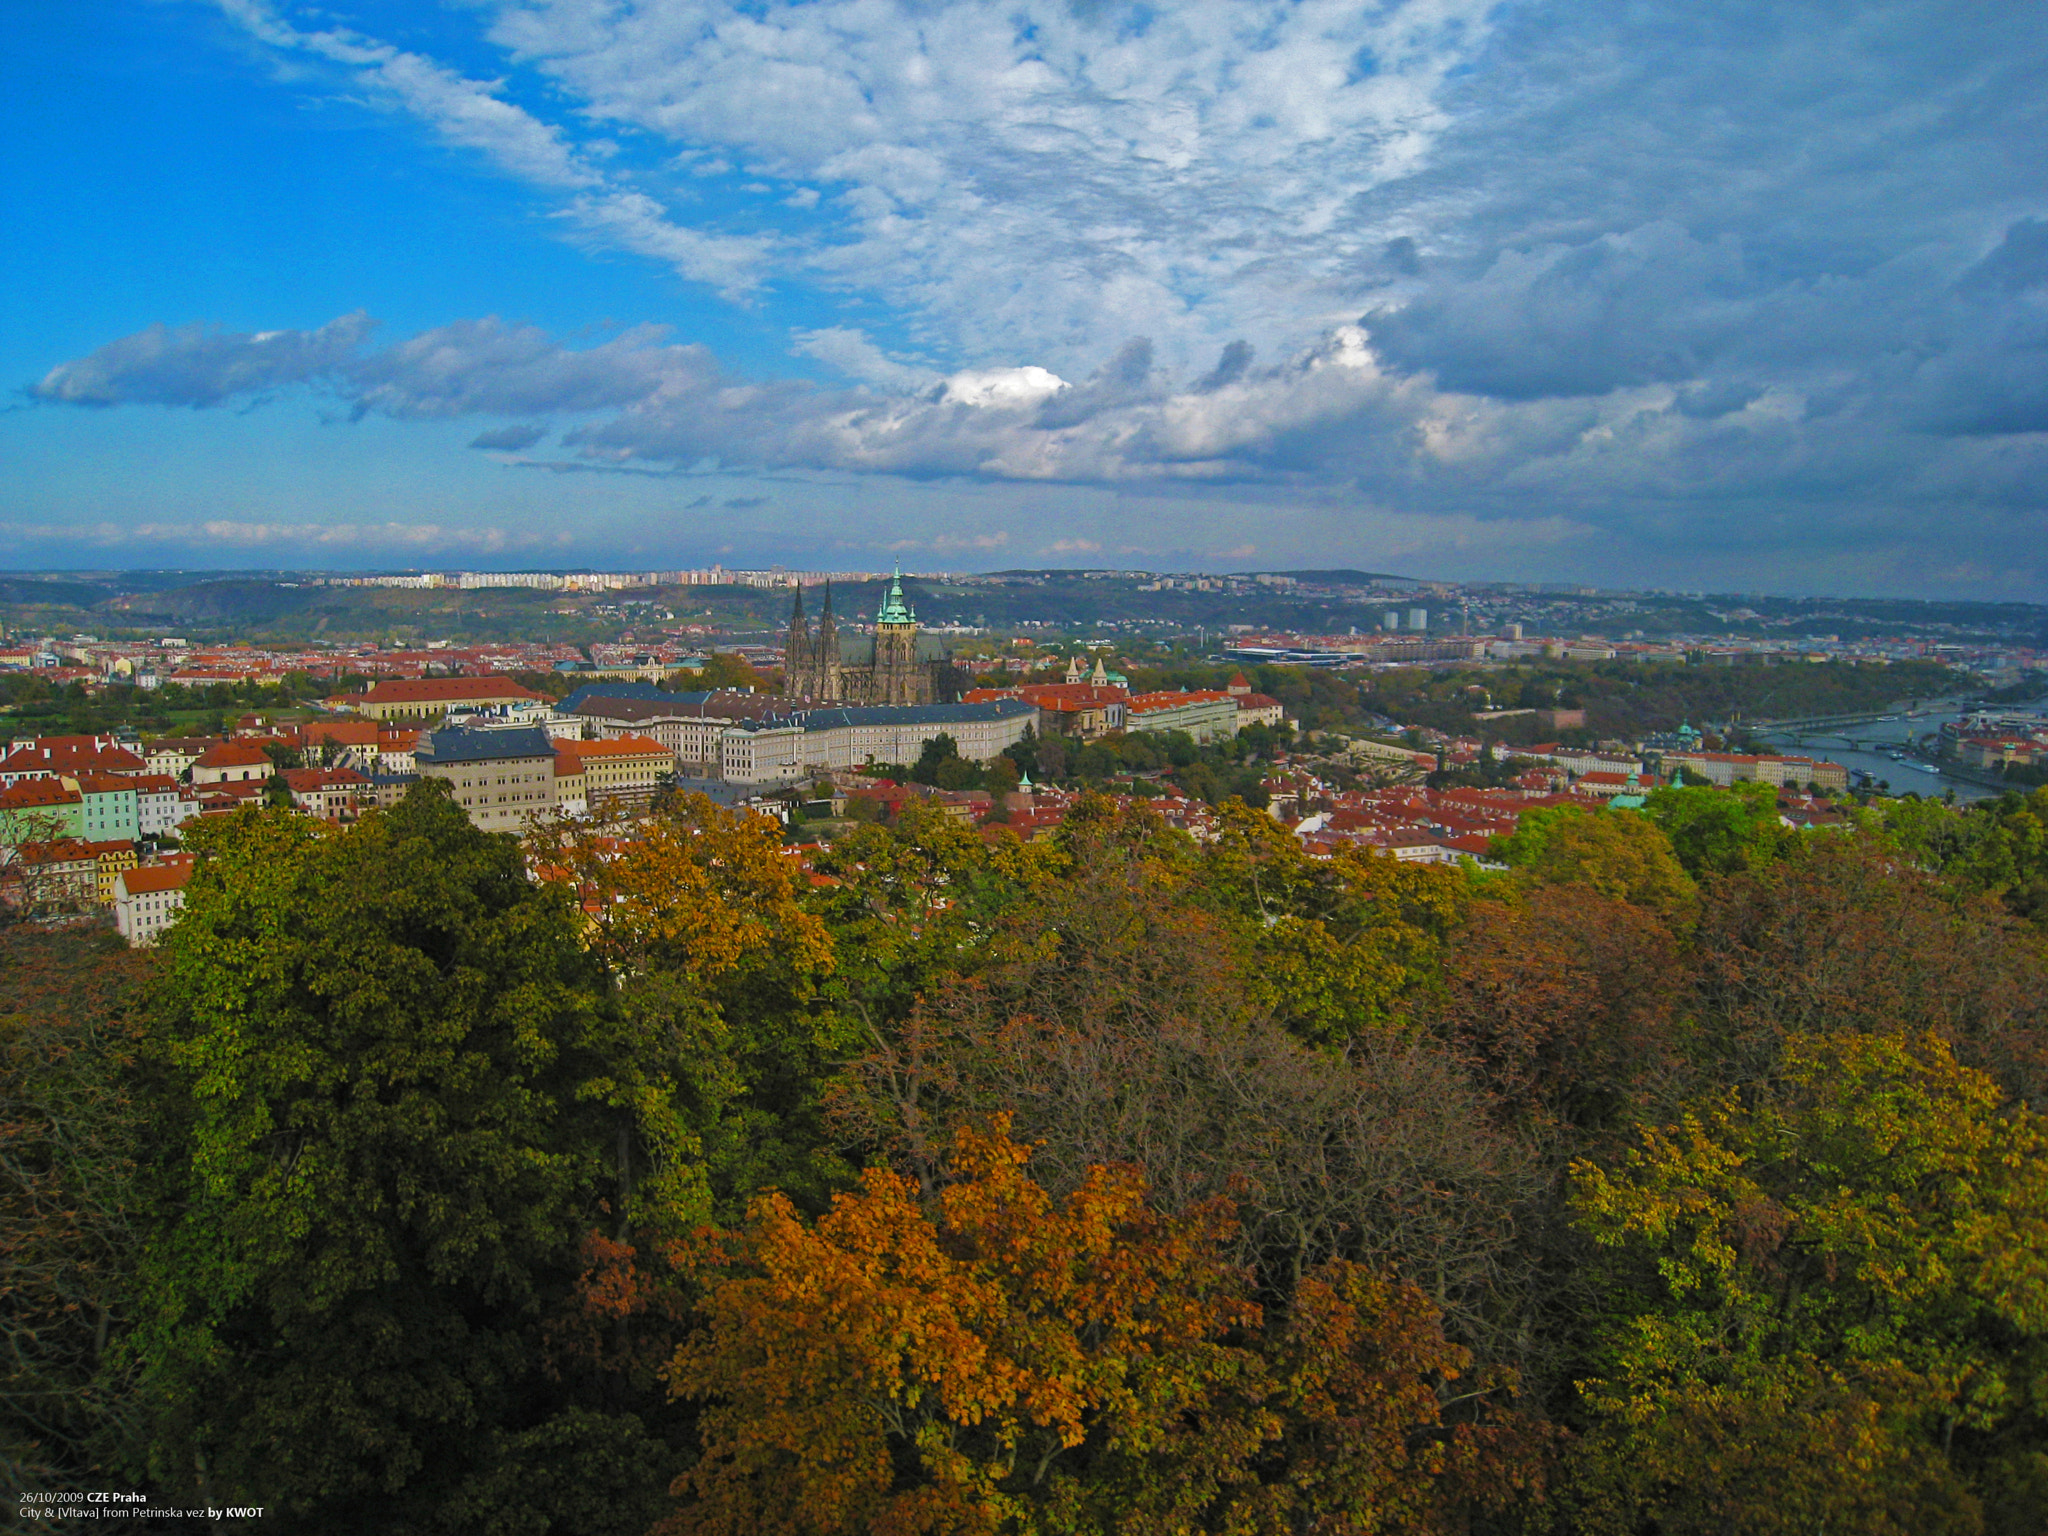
(1689, 1177)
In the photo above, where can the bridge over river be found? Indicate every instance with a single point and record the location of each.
(1888, 745)
(1885, 729)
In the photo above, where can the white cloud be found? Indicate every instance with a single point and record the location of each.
(473, 114)
(853, 354)
(1002, 388)
(1031, 175)
(325, 537)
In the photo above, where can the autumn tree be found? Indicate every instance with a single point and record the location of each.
(991, 1358)
(729, 669)
(1111, 1020)
(1844, 934)
(1570, 1006)
(1828, 1305)
(1618, 855)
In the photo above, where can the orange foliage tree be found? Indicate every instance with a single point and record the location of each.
(991, 1359)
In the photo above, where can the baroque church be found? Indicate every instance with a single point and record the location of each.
(896, 665)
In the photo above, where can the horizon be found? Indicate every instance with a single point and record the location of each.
(1503, 588)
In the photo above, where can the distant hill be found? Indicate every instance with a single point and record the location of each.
(46, 591)
(1335, 578)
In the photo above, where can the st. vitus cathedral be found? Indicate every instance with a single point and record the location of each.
(896, 666)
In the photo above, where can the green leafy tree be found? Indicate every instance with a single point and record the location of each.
(1337, 946)
(910, 906)
(71, 1136)
(938, 751)
(387, 1141)
(714, 1054)
(1718, 831)
(1828, 1306)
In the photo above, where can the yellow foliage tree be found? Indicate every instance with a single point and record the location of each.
(1832, 1306)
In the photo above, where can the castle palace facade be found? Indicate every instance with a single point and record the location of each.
(896, 665)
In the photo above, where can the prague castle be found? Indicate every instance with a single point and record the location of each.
(896, 666)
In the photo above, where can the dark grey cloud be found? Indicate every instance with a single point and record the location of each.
(1829, 200)
(1651, 305)
(1230, 367)
(197, 365)
(509, 439)
(1126, 377)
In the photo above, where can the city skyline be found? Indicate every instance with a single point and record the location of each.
(1725, 298)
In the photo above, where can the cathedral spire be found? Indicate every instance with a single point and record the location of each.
(893, 609)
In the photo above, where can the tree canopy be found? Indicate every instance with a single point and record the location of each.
(1686, 1175)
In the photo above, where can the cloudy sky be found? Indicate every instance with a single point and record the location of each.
(1681, 293)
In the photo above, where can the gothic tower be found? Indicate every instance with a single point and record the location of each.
(825, 650)
(797, 650)
(813, 671)
(896, 668)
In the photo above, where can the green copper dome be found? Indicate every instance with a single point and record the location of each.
(894, 610)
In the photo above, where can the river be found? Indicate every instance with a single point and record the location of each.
(1876, 740)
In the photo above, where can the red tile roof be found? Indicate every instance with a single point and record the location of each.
(1058, 697)
(26, 794)
(232, 754)
(152, 878)
(622, 746)
(70, 754)
(91, 783)
(445, 690)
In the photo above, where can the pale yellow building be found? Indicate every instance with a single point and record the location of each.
(503, 779)
(622, 768)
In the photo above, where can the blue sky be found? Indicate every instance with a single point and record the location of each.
(1676, 293)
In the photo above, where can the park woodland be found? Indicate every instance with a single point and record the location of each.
(1673, 1170)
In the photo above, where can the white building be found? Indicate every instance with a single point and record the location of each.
(162, 805)
(782, 751)
(502, 779)
(148, 900)
(763, 752)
